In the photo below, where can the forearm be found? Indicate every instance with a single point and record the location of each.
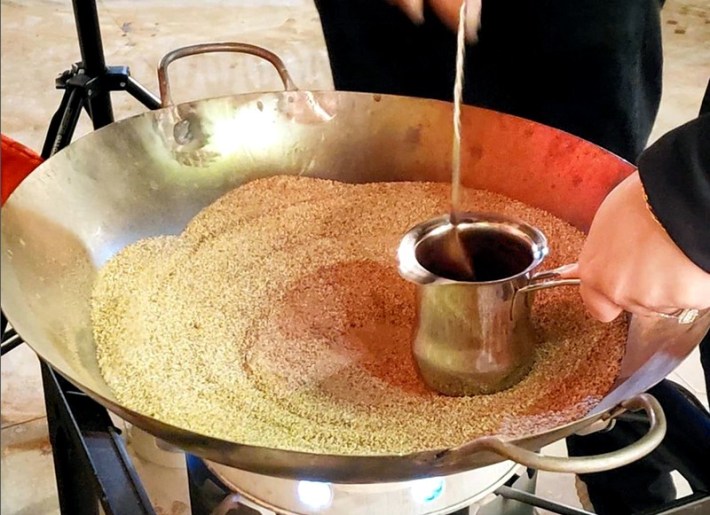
(675, 172)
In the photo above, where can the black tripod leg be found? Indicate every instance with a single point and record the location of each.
(8, 337)
(99, 107)
(141, 94)
(10, 340)
(63, 124)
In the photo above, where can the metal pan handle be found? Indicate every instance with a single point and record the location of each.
(589, 464)
(206, 48)
(230, 504)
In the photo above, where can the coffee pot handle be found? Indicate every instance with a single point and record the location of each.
(543, 280)
(558, 277)
(550, 279)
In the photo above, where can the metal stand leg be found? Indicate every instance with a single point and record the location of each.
(89, 83)
(10, 339)
(63, 124)
(90, 462)
(98, 100)
(137, 91)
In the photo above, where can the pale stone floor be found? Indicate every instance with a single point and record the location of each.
(39, 41)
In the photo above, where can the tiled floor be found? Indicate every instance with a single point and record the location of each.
(39, 41)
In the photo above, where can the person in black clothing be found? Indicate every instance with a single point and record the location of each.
(591, 68)
(652, 255)
(658, 259)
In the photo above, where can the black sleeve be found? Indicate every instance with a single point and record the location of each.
(675, 172)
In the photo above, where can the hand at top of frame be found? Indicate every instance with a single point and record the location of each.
(447, 11)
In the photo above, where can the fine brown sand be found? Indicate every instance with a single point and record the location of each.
(278, 319)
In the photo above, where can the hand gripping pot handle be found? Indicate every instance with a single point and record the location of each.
(586, 464)
(206, 48)
(555, 277)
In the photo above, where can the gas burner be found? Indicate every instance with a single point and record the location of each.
(221, 490)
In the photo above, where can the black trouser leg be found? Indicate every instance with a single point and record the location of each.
(590, 67)
(373, 47)
(646, 484)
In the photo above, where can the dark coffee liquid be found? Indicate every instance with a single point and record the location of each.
(495, 255)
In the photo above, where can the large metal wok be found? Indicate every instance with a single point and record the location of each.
(150, 174)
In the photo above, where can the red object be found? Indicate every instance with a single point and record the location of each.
(16, 163)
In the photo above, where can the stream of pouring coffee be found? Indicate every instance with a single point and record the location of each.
(456, 251)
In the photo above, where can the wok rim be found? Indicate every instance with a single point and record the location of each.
(423, 459)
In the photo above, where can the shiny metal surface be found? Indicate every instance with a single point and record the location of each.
(150, 174)
(285, 497)
(474, 337)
